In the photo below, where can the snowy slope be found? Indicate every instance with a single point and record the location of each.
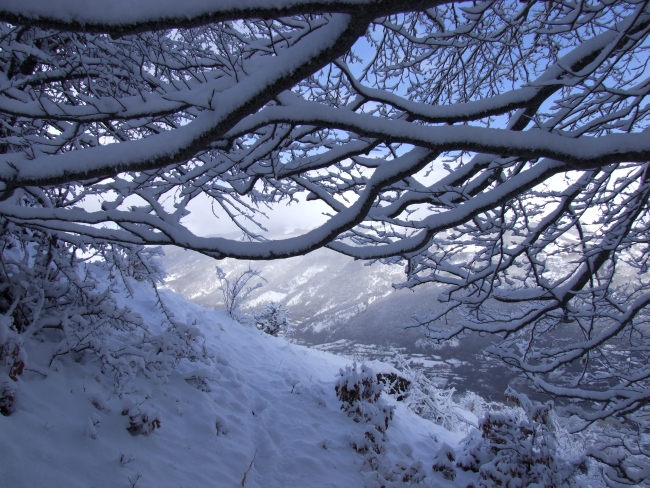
(261, 413)
(343, 306)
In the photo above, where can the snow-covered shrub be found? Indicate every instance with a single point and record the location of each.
(12, 364)
(370, 442)
(380, 470)
(408, 472)
(356, 385)
(141, 421)
(433, 403)
(65, 299)
(359, 391)
(7, 396)
(163, 351)
(476, 404)
(384, 472)
(445, 461)
(139, 262)
(428, 400)
(395, 385)
(273, 318)
(236, 290)
(395, 475)
(360, 394)
(517, 449)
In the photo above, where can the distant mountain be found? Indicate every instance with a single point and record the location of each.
(331, 296)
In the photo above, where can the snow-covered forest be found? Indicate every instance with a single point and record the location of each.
(494, 149)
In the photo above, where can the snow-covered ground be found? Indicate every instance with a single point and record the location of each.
(261, 413)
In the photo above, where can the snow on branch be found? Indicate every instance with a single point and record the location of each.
(123, 17)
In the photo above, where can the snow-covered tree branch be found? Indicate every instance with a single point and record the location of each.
(498, 148)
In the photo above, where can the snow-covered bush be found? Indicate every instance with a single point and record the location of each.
(445, 461)
(63, 299)
(517, 448)
(355, 386)
(236, 290)
(139, 262)
(433, 403)
(428, 400)
(360, 392)
(7, 396)
(475, 403)
(395, 385)
(395, 475)
(12, 364)
(141, 421)
(273, 318)
(371, 442)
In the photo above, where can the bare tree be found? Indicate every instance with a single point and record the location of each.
(236, 290)
(499, 148)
